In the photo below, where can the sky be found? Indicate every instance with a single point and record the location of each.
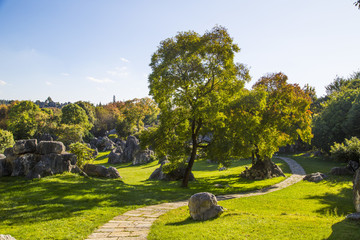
(91, 50)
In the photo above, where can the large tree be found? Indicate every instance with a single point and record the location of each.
(273, 114)
(193, 78)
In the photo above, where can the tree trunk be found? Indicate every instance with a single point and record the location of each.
(194, 138)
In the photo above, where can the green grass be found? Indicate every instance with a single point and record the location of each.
(302, 211)
(70, 206)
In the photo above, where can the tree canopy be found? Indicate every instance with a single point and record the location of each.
(273, 114)
(193, 78)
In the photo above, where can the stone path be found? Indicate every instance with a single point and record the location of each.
(135, 224)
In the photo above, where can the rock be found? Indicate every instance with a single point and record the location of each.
(131, 148)
(354, 216)
(315, 177)
(356, 190)
(173, 175)
(115, 156)
(142, 157)
(341, 171)
(25, 146)
(222, 169)
(113, 173)
(2, 156)
(23, 164)
(2, 167)
(47, 147)
(101, 171)
(203, 206)
(46, 137)
(6, 237)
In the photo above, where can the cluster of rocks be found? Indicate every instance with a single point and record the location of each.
(259, 173)
(203, 206)
(105, 144)
(35, 160)
(130, 151)
(173, 175)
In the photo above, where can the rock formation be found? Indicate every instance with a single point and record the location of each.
(101, 171)
(130, 152)
(32, 160)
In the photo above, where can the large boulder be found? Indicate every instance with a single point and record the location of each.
(2, 164)
(47, 147)
(101, 171)
(25, 146)
(131, 148)
(23, 164)
(171, 175)
(104, 144)
(315, 177)
(203, 206)
(116, 156)
(341, 171)
(142, 157)
(356, 190)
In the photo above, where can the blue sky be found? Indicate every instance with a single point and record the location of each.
(91, 49)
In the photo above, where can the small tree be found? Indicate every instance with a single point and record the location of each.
(83, 153)
(6, 140)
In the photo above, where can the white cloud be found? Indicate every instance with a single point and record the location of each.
(2, 83)
(118, 72)
(97, 80)
(65, 74)
(48, 83)
(124, 60)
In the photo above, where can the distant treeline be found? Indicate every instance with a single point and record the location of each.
(48, 103)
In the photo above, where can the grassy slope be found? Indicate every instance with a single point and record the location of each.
(69, 206)
(303, 211)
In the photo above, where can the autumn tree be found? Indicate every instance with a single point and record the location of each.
(273, 114)
(193, 78)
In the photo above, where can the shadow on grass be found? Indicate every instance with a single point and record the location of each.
(336, 204)
(346, 229)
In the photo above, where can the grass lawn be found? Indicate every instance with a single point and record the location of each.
(69, 206)
(302, 211)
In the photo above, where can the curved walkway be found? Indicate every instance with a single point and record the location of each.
(135, 224)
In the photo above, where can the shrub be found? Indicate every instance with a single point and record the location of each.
(347, 151)
(113, 136)
(6, 140)
(83, 153)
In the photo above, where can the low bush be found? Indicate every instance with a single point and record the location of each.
(347, 151)
(6, 140)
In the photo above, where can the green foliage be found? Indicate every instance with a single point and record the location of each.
(193, 77)
(347, 151)
(89, 110)
(113, 136)
(273, 114)
(6, 140)
(124, 128)
(83, 153)
(73, 114)
(24, 119)
(70, 133)
(338, 120)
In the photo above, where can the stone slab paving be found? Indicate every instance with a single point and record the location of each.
(135, 224)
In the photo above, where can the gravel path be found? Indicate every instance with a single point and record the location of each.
(135, 224)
